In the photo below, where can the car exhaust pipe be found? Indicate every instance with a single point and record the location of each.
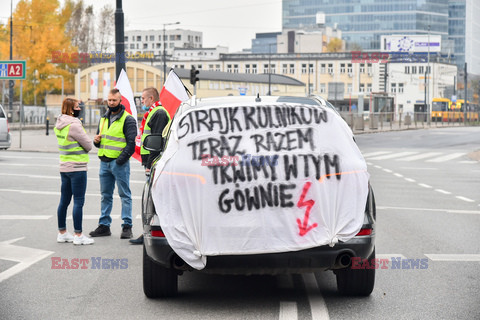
(344, 260)
(179, 264)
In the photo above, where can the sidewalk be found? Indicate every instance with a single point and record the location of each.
(34, 140)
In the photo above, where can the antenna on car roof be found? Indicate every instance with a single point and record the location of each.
(257, 99)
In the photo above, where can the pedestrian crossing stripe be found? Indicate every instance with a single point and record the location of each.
(408, 156)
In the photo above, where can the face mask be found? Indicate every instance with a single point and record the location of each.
(76, 113)
(114, 109)
(145, 108)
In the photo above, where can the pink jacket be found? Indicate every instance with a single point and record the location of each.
(76, 133)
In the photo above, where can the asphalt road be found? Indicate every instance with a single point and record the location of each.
(428, 207)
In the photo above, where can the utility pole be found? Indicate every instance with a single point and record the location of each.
(269, 70)
(426, 81)
(119, 40)
(465, 103)
(10, 82)
(165, 50)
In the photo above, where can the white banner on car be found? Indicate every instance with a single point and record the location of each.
(258, 179)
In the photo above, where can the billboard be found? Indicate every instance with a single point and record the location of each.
(411, 43)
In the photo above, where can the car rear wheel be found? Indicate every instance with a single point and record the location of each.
(356, 282)
(158, 281)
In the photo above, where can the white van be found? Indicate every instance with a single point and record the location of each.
(5, 137)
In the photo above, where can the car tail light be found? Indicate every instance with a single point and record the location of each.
(8, 127)
(364, 232)
(157, 233)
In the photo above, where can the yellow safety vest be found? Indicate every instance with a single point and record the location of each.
(147, 130)
(113, 140)
(70, 151)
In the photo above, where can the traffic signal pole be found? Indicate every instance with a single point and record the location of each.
(194, 78)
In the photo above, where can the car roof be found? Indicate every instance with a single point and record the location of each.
(310, 100)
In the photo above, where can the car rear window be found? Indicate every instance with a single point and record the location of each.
(2, 113)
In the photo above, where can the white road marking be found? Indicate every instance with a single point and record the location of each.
(429, 209)
(464, 199)
(469, 162)
(376, 153)
(317, 304)
(393, 155)
(23, 255)
(288, 310)
(443, 191)
(57, 193)
(388, 170)
(30, 158)
(398, 175)
(447, 157)
(90, 168)
(23, 217)
(69, 217)
(96, 216)
(420, 156)
(425, 185)
(389, 256)
(410, 180)
(57, 177)
(454, 257)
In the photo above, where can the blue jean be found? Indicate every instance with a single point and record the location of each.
(111, 172)
(73, 183)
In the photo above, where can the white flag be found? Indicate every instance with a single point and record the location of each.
(94, 85)
(106, 85)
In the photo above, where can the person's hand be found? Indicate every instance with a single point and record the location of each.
(97, 138)
(147, 171)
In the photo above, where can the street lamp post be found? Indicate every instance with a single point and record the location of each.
(427, 81)
(269, 66)
(10, 82)
(165, 50)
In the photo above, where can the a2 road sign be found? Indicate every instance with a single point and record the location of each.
(12, 70)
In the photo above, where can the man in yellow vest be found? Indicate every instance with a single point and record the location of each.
(116, 142)
(155, 122)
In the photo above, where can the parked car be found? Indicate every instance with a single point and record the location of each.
(5, 137)
(202, 213)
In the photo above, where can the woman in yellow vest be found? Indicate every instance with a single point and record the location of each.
(74, 145)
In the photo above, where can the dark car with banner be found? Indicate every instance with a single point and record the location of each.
(257, 185)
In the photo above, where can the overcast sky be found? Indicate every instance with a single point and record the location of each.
(225, 23)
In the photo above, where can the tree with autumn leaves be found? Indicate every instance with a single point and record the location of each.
(41, 28)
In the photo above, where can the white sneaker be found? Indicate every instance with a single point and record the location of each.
(66, 237)
(83, 239)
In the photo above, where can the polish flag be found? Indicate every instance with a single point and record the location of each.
(123, 85)
(173, 93)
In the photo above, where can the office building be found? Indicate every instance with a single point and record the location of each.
(153, 41)
(363, 22)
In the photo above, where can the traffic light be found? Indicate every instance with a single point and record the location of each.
(194, 75)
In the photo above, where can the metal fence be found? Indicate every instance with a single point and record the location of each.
(392, 121)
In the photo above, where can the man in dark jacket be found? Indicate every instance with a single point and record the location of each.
(116, 142)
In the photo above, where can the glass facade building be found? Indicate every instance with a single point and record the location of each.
(456, 29)
(362, 22)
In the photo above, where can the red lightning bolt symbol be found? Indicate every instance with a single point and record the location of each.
(304, 227)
